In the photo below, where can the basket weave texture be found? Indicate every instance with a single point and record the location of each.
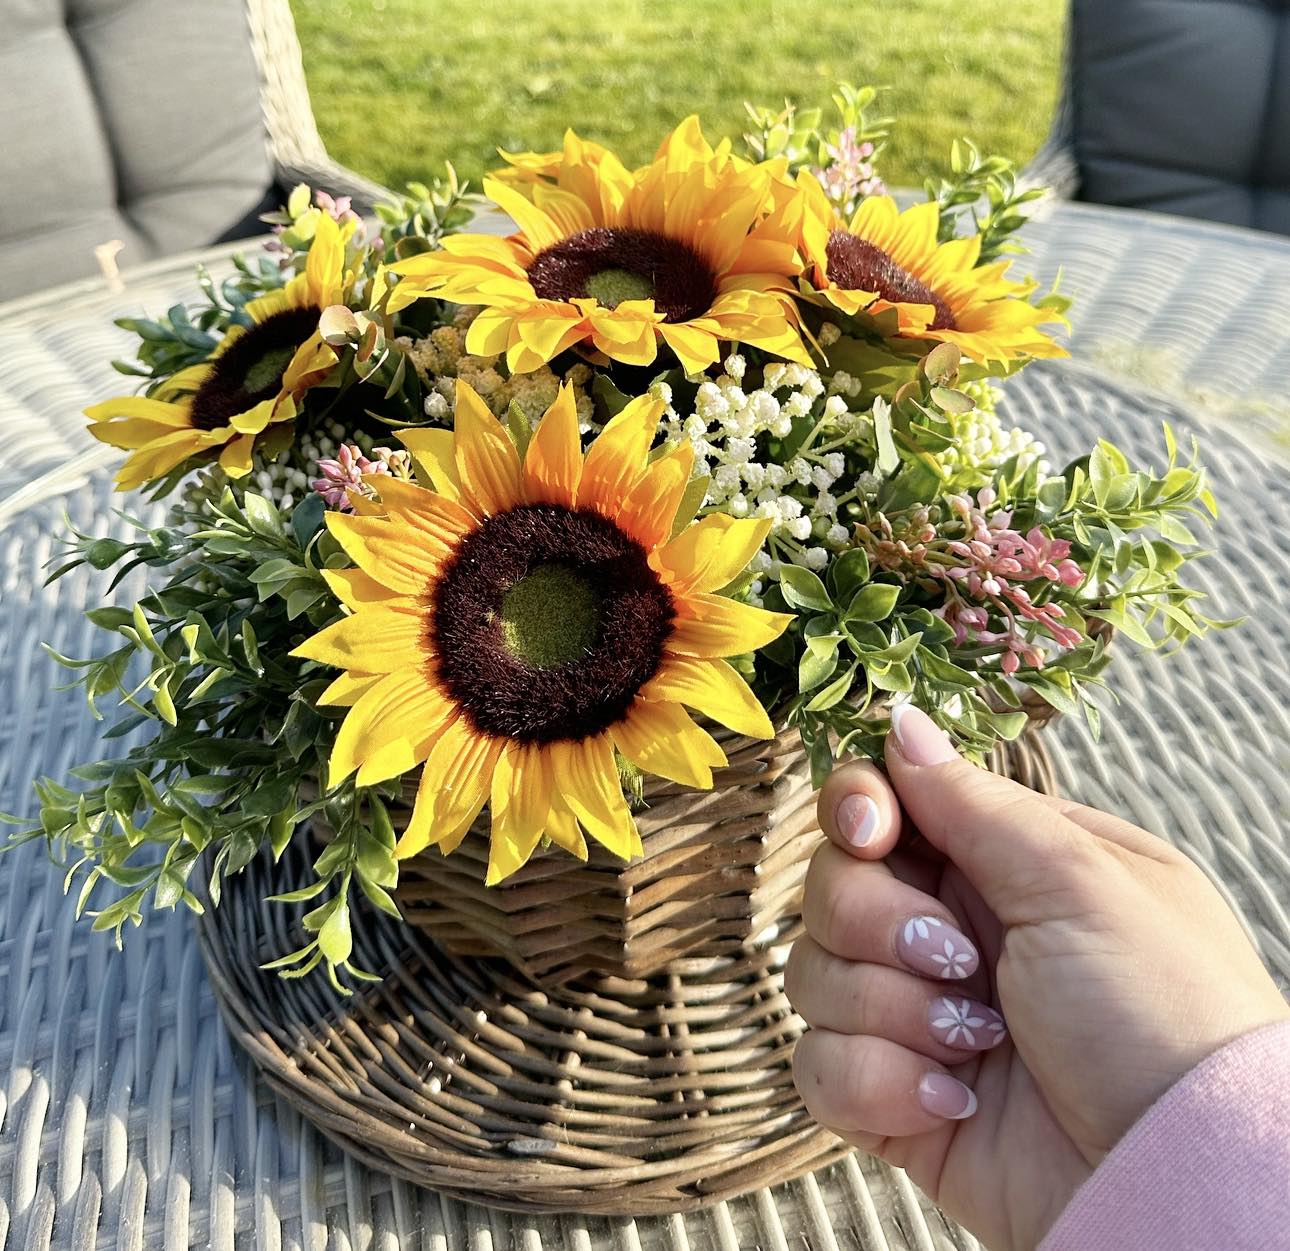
(586, 1091)
(721, 869)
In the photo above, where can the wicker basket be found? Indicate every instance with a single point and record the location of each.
(588, 1092)
(722, 872)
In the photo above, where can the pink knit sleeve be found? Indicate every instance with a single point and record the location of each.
(1207, 1168)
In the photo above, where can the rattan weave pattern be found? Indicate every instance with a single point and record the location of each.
(126, 1120)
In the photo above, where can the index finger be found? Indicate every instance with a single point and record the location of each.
(858, 810)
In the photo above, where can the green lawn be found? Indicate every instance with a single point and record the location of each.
(400, 85)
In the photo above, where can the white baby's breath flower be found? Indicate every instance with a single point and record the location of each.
(821, 478)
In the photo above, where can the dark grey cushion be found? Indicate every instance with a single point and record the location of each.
(1184, 106)
(136, 120)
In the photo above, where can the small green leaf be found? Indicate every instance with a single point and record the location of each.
(803, 589)
(262, 516)
(696, 492)
(816, 667)
(334, 939)
(848, 573)
(104, 553)
(873, 602)
(307, 517)
(888, 456)
(835, 692)
(950, 401)
(519, 427)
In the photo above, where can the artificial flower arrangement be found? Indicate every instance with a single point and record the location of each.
(464, 521)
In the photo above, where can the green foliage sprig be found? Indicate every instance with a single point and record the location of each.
(983, 188)
(237, 743)
(869, 632)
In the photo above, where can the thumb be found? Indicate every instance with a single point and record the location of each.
(1026, 860)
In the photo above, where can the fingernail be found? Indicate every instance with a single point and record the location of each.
(964, 1023)
(858, 820)
(943, 1095)
(920, 739)
(932, 946)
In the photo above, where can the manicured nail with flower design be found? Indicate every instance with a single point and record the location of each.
(935, 948)
(964, 1023)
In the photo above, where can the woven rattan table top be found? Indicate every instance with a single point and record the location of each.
(126, 1120)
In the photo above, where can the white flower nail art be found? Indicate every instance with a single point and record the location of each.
(952, 962)
(920, 927)
(964, 1021)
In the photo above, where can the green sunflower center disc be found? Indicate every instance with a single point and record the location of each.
(266, 371)
(610, 287)
(550, 617)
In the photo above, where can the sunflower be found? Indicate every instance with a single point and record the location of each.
(888, 260)
(692, 249)
(251, 381)
(527, 621)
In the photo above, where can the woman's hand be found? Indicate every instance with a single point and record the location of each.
(948, 902)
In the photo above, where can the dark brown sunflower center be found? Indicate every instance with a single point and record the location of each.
(251, 369)
(611, 265)
(546, 623)
(855, 264)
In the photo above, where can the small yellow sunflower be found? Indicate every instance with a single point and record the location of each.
(888, 260)
(695, 248)
(251, 382)
(516, 626)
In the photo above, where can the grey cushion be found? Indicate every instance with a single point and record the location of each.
(1184, 106)
(136, 120)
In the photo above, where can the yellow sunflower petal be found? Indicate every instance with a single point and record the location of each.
(432, 450)
(256, 419)
(166, 414)
(377, 639)
(553, 463)
(455, 782)
(587, 780)
(325, 264)
(407, 562)
(488, 466)
(441, 519)
(490, 333)
(616, 460)
(263, 307)
(708, 626)
(389, 729)
(159, 457)
(235, 459)
(662, 739)
(695, 347)
(310, 363)
(649, 510)
(354, 588)
(712, 553)
(541, 332)
(346, 689)
(521, 801)
(539, 229)
(183, 382)
(714, 689)
(562, 829)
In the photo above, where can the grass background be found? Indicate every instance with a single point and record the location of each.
(399, 86)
